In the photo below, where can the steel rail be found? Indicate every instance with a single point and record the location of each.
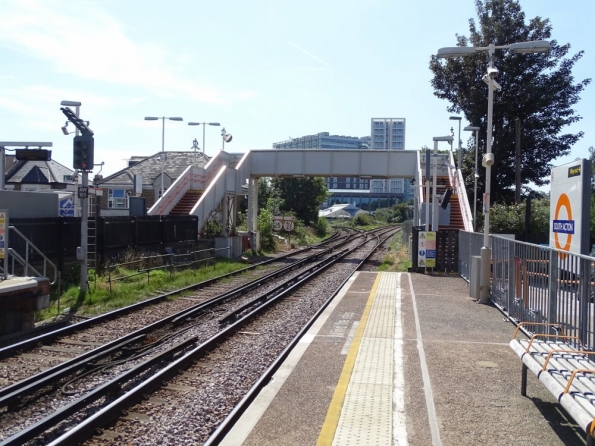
(112, 411)
(226, 425)
(12, 395)
(31, 343)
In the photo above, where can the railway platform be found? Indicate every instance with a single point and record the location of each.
(404, 359)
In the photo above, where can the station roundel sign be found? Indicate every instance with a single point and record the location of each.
(563, 202)
(288, 225)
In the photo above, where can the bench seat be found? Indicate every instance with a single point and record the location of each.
(565, 369)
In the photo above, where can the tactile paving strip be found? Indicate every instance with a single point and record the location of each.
(366, 416)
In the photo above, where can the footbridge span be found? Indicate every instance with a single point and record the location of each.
(213, 189)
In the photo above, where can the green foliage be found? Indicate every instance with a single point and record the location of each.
(510, 219)
(98, 299)
(265, 227)
(396, 214)
(321, 227)
(212, 229)
(397, 257)
(362, 219)
(301, 196)
(538, 89)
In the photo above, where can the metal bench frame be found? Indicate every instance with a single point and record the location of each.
(565, 368)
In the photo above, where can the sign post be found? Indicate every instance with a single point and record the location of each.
(285, 223)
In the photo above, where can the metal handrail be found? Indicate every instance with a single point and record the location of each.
(25, 261)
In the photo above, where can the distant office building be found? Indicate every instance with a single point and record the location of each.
(324, 141)
(389, 134)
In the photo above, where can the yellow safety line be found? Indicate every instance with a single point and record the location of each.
(329, 427)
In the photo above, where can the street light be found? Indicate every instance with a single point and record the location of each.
(204, 124)
(458, 118)
(537, 46)
(226, 137)
(470, 128)
(163, 118)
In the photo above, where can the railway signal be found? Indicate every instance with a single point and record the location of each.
(83, 148)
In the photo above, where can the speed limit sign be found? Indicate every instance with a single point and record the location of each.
(288, 225)
(277, 224)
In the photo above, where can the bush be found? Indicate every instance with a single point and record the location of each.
(265, 227)
(212, 229)
(321, 227)
(363, 219)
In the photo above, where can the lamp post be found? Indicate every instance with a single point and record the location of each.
(203, 134)
(470, 128)
(163, 118)
(459, 159)
(537, 46)
(226, 137)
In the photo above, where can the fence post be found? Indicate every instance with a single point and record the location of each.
(585, 270)
(512, 278)
(552, 315)
(171, 265)
(194, 261)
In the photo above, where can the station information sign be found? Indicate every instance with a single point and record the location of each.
(426, 246)
(570, 207)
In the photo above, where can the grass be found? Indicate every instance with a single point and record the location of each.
(98, 299)
(398, 258)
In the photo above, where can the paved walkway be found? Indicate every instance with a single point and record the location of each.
(404, 359)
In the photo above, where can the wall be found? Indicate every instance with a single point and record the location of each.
(29, 204)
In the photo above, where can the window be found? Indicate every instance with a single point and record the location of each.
(117, 199)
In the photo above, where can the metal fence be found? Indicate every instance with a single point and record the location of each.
(144, 265)
(538, 285)
(57, 238)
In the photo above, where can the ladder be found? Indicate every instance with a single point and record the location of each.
(92, 233)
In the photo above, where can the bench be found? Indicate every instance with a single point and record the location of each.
(564, 368)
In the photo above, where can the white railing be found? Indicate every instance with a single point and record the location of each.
(14, 257)
(459, 187)
(211, 197)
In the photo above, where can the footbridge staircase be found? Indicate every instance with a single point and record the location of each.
(213, 189)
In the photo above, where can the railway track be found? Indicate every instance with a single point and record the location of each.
(202, 340)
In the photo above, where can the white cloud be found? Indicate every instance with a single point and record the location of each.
(96, 49)
(312, 56)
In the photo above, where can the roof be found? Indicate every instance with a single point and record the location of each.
(38, 172)
(341, 211)
(175, 163)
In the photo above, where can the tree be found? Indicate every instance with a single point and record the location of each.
(538, 89)
(302, 196)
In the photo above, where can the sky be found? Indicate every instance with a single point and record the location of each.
(267, 70)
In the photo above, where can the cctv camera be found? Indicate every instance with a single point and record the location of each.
(492, 72)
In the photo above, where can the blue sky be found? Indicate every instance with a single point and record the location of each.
(266, 70)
